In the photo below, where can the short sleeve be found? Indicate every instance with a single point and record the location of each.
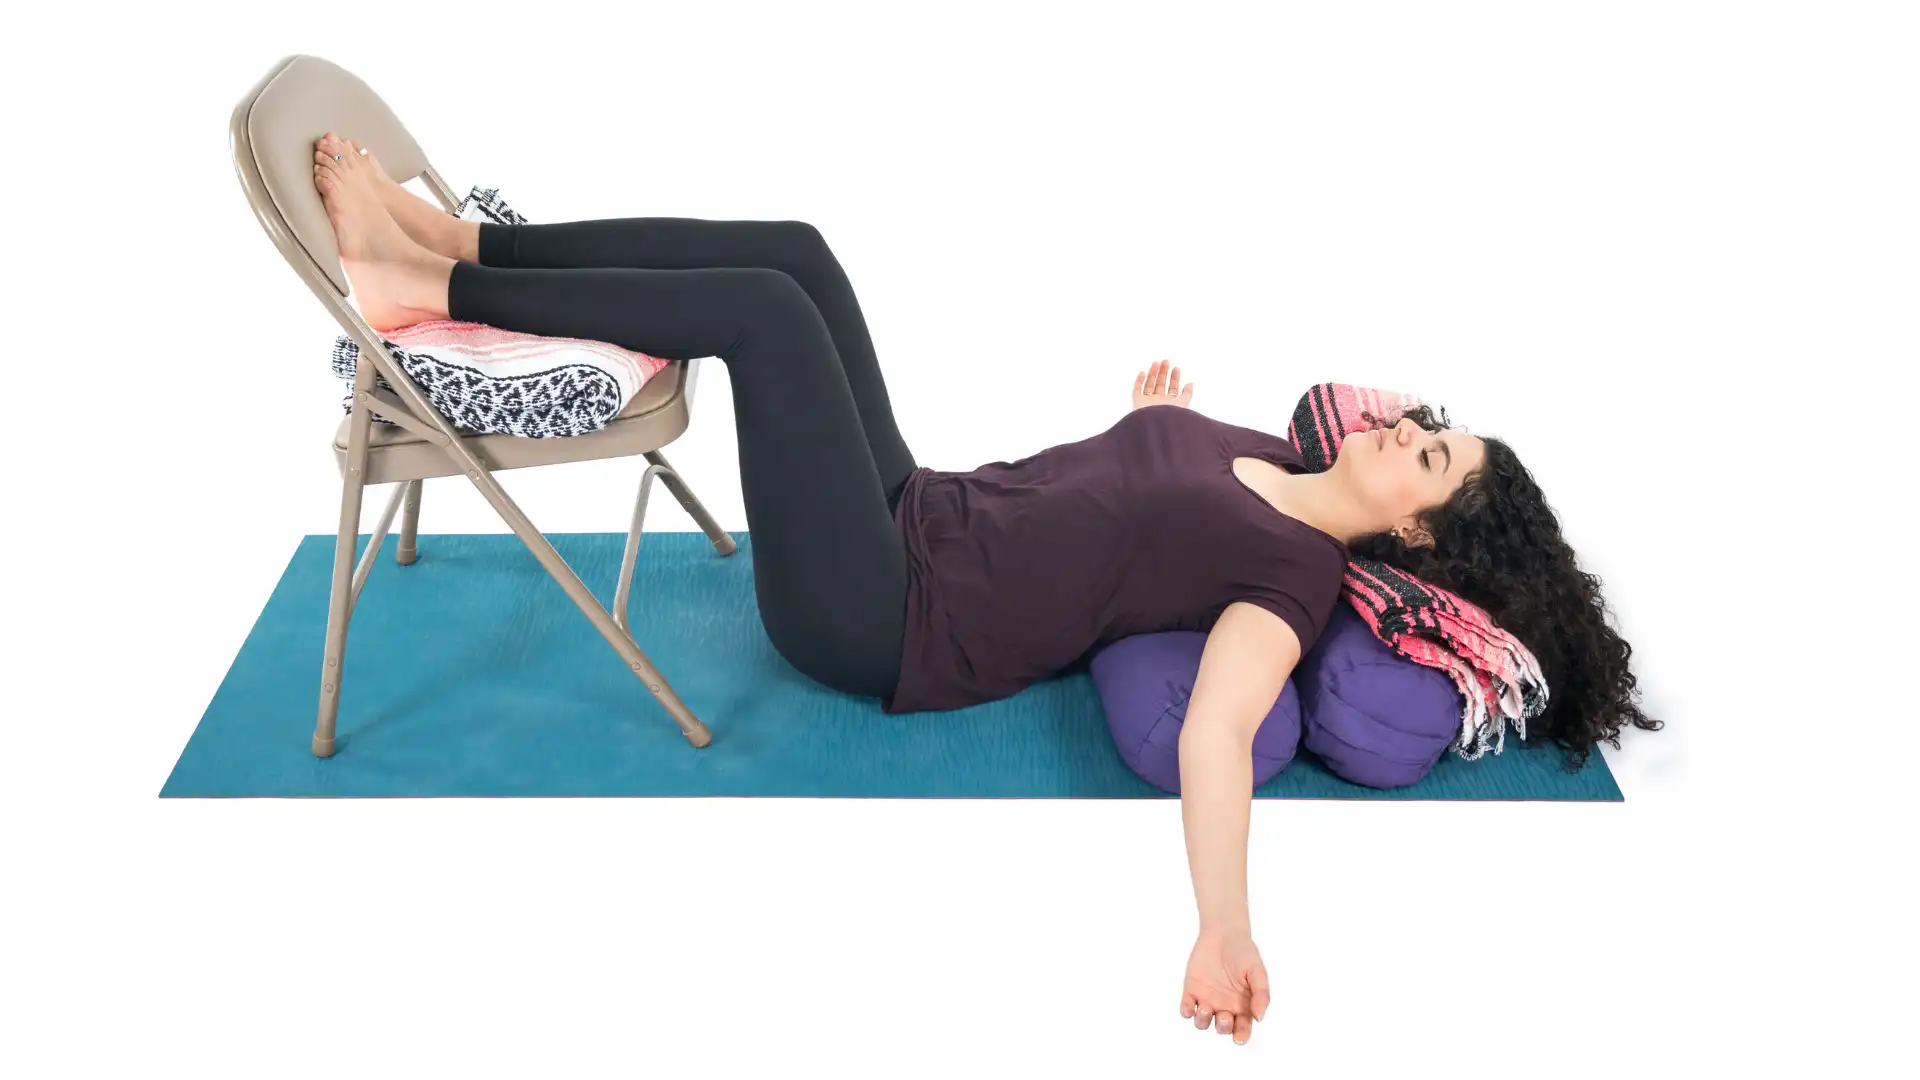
(1303, 595)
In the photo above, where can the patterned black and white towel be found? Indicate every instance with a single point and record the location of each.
(497, 382)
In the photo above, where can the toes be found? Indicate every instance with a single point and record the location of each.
(331, 144)
(323, 156)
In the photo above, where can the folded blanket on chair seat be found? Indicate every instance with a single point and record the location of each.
(490, 381)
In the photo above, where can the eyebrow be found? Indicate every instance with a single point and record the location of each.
(1447, 450)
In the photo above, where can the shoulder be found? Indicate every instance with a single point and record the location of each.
(1315, 575)
(1273, 447)
(1326, 560)
(1162, 412)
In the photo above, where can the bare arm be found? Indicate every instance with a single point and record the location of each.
(1248, 656)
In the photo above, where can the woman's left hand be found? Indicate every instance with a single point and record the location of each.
(1153, 387)
(1226, 984)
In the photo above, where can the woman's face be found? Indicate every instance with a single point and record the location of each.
(1399, 471)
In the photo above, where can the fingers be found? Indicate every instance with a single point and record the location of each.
(1157, 380)
(1191, 1008)
(1237, 1024)
(1204, 1018)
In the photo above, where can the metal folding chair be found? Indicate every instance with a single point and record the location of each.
(273, 130)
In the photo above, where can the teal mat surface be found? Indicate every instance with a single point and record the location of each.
(470, 673)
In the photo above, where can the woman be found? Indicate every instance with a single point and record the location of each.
(935, 590)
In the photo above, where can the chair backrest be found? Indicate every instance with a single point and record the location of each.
(272, 134)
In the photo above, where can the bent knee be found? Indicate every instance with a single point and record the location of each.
(762, 289)
(804, 233)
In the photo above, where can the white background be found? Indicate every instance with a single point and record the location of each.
(1666, 250)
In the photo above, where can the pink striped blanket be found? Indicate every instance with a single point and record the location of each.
(1498, 678)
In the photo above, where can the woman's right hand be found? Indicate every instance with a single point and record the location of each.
(1226, 985)
(1153, 387)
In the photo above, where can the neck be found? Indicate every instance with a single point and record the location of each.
(1320, 500)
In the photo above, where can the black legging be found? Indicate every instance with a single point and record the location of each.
(821, 461)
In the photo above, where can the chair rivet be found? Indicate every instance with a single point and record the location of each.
(330, 661)
(363, 397)
(655, 689)
(327, 687)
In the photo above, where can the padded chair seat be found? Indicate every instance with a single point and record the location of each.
(656, 416)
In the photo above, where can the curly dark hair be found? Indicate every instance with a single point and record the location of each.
(1497, 543)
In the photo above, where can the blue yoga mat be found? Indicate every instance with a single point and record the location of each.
(470, 673)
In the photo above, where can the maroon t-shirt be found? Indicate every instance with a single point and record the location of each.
(1018, 570)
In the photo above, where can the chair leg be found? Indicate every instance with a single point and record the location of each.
(407, 553)
(372, 554)
(340, 606)
(630, 554)
(722, 542)
(622, 642)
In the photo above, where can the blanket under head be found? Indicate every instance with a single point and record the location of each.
(1498, 678)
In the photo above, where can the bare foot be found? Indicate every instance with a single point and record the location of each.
(423, 222)
(396, 282)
